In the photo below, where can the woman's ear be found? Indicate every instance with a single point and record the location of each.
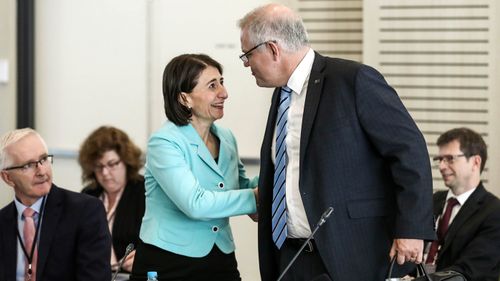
(184, 100)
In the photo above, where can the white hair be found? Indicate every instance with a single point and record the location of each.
(11, 138)
(275, 22)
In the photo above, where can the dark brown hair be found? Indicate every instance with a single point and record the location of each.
(471, 143)
(102, 140)
(181, 75)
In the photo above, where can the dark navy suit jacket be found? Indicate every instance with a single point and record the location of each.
(472, 243)
(74, 239)
(362, 154)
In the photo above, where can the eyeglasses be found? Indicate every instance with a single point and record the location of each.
(447, 159)
(246, 55)
(31, 166)
(111, 166)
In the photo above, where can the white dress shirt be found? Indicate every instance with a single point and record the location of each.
(297, 223)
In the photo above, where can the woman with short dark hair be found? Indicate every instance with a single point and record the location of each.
(195, 180)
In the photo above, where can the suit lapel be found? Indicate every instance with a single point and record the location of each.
(439, 200)
(267, 142)
(471, 206)
(201, 149)
(51, 214)
(314, 92)
(10, 241)
(224, 152)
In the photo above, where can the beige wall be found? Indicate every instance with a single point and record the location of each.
(442, 58)
(7, 90)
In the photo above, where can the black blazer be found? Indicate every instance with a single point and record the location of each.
(472, 244)
(74, 239)
(362, 154)
(128, 217)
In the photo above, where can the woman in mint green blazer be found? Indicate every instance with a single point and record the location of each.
(195, 180)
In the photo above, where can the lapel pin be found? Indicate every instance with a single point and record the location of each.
(316, 81)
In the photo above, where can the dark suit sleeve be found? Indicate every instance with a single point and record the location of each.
(395, 136)
(481, 255)
(94, 243)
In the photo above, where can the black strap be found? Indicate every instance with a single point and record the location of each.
(420, 268)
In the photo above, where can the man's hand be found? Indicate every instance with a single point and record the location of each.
(129, 261)
(407, 250)
(255, 216)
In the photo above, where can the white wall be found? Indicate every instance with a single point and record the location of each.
(90, 69)
(8, 88)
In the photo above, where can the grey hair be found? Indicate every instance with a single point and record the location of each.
(13, 137)
(286, 28)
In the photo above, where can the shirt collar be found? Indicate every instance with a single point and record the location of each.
(21, 207)
(301, 73)
(460, 198)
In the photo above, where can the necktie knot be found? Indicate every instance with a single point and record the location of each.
(29, 213)
(452, 202)
(285, 91)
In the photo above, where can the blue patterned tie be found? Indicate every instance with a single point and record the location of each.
(279, 201)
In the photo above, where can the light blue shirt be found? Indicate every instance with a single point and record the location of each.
(21, 261)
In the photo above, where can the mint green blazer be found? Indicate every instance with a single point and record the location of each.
(190, 197)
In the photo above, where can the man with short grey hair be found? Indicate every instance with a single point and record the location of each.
(337, 136)
(47, 233)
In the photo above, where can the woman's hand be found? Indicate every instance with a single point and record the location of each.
(255, 216)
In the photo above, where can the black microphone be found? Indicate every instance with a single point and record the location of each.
(326, 214)
(130, 248)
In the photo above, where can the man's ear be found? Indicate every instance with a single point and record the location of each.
(275, 50)
(477, 161)
(6, 178)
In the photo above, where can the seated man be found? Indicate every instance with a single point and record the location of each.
(468, 216)
(47, 233)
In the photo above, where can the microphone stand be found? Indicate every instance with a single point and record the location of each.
(130, 248)
(321, 221)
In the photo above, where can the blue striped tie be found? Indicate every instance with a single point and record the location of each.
(279, 201)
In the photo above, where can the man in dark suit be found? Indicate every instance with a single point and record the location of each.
(350, 144)
(471, 243)
(65, 238)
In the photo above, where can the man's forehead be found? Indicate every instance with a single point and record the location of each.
(450, 146)
(29, 147)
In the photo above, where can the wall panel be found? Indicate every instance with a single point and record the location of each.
(438, 56)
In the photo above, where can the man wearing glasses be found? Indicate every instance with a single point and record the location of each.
(468, 216)
(47, 233)
(337, 136)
